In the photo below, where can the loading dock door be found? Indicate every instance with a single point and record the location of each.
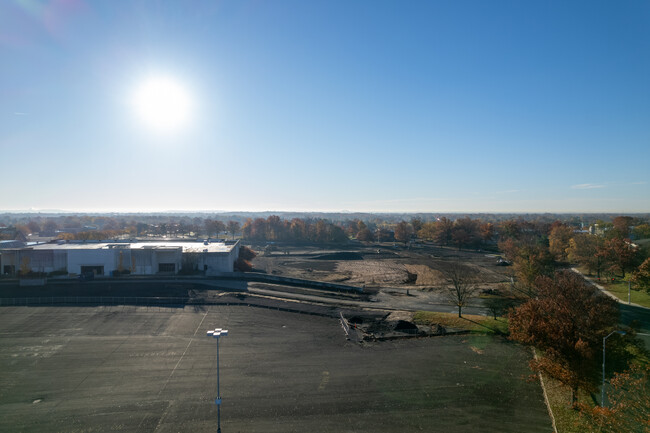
(167, 267)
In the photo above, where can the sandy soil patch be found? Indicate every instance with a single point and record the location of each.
(374, 272)
(425, 275)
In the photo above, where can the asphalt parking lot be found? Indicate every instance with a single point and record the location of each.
(128, 368)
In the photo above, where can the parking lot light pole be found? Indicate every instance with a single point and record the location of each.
(602, 390)
(217, 334)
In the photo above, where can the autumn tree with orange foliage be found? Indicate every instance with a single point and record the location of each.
(531, 262)
(619, 256)
(403, 232)
(629, 403)
(641, 276)
(566, 321)
(243, 262)
(559, 239)
(583, 249)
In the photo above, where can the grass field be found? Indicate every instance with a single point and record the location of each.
(620, 290)
(469, 322)
(99, 369)
(567, 419)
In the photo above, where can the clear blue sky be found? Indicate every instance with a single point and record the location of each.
(488, 106)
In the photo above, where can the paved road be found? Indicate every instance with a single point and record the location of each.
(631, 314)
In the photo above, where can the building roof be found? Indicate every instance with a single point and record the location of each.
(185, 246)
(11, 244)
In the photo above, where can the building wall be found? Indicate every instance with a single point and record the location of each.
(60, 260)
(91, 257)
(167, 256)
(221, 262)
(35, 260)
(8, 258)
(124, 261)
(144, 261)
(218, 263)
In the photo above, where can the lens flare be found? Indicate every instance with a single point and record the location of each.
(163, 105)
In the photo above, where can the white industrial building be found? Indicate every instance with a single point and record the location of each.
(111, 258)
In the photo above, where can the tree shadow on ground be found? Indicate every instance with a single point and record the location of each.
(491, 329)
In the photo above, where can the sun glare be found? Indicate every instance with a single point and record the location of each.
(163, 105)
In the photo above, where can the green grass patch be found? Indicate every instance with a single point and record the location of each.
(567, 419)
(619, 289)
(469, 322)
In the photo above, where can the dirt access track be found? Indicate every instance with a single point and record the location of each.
(387, 270)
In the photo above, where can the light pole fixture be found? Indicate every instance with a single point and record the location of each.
(217, 334)
(602, 390)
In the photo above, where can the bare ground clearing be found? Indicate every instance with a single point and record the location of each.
(385, 265)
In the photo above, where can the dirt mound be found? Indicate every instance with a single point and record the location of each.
(425, 275)
(398, 324)
(339, 256)
(404, 326)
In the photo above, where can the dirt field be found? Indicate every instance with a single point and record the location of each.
(399, 277)
(125, 368)
(386, 265)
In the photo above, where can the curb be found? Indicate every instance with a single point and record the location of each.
(548, 404)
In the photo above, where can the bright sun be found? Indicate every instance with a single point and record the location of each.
(163, 105)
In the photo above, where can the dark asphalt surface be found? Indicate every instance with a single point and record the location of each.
(100, 369)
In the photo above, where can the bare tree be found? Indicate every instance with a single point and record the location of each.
(233, 228)
(461, 285)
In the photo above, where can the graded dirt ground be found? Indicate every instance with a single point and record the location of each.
(398, 276)
(386, 265)
(127, 368)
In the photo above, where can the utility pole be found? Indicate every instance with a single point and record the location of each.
(602, 390)
(629, 292)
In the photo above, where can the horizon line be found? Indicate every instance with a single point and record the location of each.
(221, 211)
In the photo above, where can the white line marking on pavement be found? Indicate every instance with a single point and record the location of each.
(184, 352)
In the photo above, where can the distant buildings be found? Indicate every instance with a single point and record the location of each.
(11, 244)
(115, 258)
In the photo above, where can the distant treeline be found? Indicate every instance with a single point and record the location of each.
(273, 229)
(197, 218)
(462, 233)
